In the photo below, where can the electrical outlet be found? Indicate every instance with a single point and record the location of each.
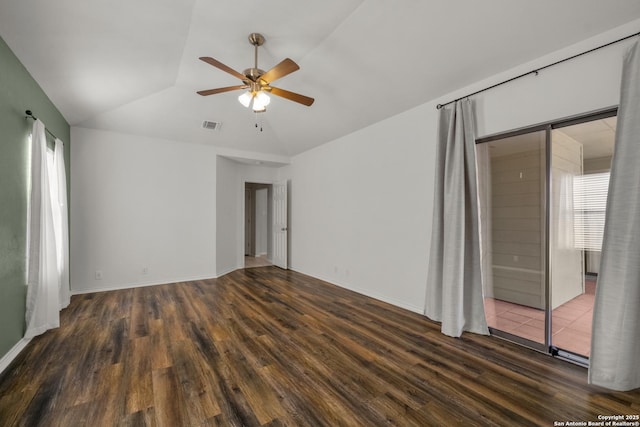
(98, 274)
(145, 270)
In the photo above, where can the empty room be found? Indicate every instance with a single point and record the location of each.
(343, 213)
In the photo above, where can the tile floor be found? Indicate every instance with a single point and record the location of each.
(571, 322)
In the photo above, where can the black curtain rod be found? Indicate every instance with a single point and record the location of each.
(31, 116)
(535, 72)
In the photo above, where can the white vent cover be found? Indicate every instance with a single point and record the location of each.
(211, 125)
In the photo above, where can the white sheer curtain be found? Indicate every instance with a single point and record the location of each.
(61, 224)
(47, 270)
(615, 344)
(454, 284)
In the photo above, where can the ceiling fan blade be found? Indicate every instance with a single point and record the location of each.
(223, 67)
(221, 90)
(292, 96)
(286, 66)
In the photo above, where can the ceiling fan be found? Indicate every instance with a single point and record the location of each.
(258, 82)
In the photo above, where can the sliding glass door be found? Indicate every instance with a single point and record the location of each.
(542, 201)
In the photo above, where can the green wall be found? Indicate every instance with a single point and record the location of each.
(18, 92)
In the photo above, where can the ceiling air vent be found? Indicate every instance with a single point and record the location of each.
(211, 125)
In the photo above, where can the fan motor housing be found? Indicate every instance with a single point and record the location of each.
(253, 73)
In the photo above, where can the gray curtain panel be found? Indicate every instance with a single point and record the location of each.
(615, 343)
(454, 283)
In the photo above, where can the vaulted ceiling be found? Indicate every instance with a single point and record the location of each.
(132, 66)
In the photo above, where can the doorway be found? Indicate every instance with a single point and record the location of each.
(543, 201)
(257, 225)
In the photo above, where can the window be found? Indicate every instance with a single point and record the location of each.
(590, 204)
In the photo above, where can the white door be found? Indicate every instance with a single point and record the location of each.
(280, 225)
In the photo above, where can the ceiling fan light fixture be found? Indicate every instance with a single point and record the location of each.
(260, 101)
(245, 99)
(257, 82)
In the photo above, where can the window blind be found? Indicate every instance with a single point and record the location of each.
(589, 207)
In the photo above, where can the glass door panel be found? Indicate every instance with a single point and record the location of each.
(580, 165)
(512, 181)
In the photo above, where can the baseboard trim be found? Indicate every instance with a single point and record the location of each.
(13, 353)
(368, 293)
(225, 272)
(138, 285)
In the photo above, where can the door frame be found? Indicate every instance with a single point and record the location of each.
(241, 224)
(280, 224)
(249, 221)
(242, 232)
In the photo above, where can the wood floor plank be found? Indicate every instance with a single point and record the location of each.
(270, 347)
(109, 401)
(145, 418)
(138, 376)
(198, 381)
(169, 404)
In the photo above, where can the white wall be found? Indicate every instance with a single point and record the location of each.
(361, 205)
(140, 203)
(173, 208)
(361, 209)
(257, 174)
(227, 200)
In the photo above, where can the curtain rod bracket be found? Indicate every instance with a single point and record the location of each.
(29, 115)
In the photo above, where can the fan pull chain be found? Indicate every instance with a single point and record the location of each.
(256, 113)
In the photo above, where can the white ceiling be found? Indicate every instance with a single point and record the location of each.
(132, 66)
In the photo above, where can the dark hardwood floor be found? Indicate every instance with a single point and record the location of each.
(270, 347)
